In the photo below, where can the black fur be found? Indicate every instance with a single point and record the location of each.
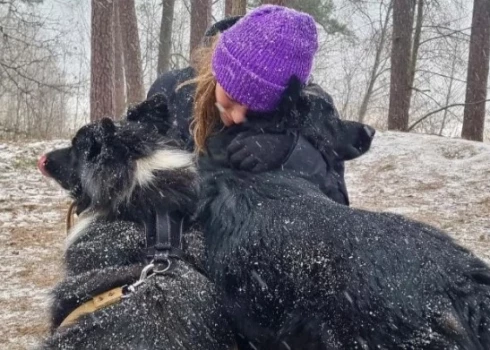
(299, 271)
(311, 115)
(178, 310)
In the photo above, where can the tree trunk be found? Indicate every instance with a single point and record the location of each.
(228, 7)
(476, 88)
(416, 45)
(235, 8)
(132, 53)
(274, 2)
(403, 12)
(165, 45)
(119, 90)
(377, 62)
(102, 60)
(200, 20)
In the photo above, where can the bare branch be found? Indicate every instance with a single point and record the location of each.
(442, 109)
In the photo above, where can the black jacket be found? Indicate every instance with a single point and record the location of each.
(328, 174)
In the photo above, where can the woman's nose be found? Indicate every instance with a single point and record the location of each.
(238, 114)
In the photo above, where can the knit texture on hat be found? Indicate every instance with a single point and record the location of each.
(255, 58)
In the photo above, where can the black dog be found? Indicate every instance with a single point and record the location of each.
(299, 271)
(118, 176)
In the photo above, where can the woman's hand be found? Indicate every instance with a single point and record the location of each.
(262, 152)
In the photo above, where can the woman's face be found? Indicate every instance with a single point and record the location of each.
(230, 111)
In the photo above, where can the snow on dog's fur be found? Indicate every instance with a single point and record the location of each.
(300, 271)
(117, 175)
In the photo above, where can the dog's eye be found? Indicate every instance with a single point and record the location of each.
(93, 151)
(87, 147)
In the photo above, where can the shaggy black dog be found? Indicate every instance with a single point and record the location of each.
(119, 175)
(299, 271)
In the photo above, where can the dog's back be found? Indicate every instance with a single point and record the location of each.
(175, 311)
(302, 271)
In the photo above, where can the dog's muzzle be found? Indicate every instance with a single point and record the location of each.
(41, 165)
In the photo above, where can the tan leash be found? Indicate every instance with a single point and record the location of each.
(108, 298)
(98, 302)
(70, 217)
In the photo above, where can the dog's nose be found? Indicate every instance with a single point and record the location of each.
(41, 165)
(370, 132)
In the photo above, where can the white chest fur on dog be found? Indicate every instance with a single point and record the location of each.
(162, 160)
(79, 229)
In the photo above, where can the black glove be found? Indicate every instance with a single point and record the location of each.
(267, 151)
(262, 152)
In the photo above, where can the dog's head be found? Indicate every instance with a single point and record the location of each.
(122, 169)
(311, 112)
(335, 138)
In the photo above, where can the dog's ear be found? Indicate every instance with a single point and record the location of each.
(112, 144)
(290, 96)
(354, 140)
(284, 116)
(153, 111)
(108, 127)
(99, 137)
(287, 112)
(93, 146)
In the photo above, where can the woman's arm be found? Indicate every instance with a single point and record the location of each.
(328, 174)
(266, 152)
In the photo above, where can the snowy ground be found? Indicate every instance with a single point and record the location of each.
(440, 181)
(443, 182)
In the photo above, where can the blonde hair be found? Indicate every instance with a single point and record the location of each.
(205, 114)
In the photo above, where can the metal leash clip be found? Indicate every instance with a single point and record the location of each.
(158, 268)
(148, 269)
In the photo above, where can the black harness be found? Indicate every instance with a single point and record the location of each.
(163, 230)
(164, 238)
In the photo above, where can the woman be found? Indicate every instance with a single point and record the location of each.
(249, 72)
(259, 152)
(250, 75)
(297, 271)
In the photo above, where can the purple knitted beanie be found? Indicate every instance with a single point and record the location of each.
(255, 58)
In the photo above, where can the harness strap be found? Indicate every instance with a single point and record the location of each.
(164, 236)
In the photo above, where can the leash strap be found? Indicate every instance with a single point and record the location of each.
(69, 216)
(100, 301)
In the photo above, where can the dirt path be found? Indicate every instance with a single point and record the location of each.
(439, 181)
(31, 235)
